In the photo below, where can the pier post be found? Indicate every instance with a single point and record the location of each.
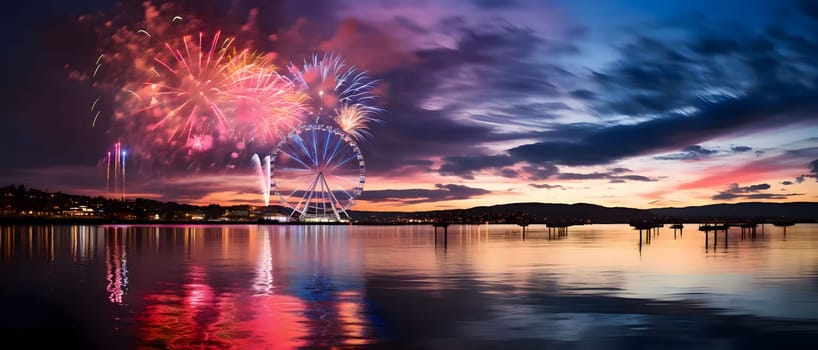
(445, 227)
(524, 225)
(706, 239)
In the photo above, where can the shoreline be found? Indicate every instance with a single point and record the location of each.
(37, 221)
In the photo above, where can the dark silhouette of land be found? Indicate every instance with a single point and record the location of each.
(583, 213)
(21, 205)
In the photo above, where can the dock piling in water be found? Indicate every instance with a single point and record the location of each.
(445, 226)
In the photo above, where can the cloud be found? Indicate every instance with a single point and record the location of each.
(486, 81)
(703, 84)
(814, 168)
(451, 100)
(540, 171)
(740, 149)
(354, 39)
(494, 4)
(546, 186)
(617, 142)
(508, 173)
(441, 192)
(612, 176)
(694, 152)
(750, 192)
(787, 183)
(466, 166)
(809, 8)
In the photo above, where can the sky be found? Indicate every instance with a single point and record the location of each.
(632, 103)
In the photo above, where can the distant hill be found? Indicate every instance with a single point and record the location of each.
(801, 211)
(591, 213)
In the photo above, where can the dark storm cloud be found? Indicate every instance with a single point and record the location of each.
(546, 186)
(583, 94)
(689, 153)
(707, 83)
(786, 196)
(466, 166)
(810, 8)
(734, 191)
(411, 25)
(491, 68)
(494, 4)
(814, 169)
(613, 177)
(416, 196)
(508, 173)
(791, 104)
(541, 171)
(751, 192)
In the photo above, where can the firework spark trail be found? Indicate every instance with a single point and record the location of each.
(108, 176)
(342, 93)
(354, 119)
(330, 83)
(265, 104)
(123, 175)
(195, 90)
(180, 92)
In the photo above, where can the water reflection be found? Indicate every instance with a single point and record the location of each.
(116, 264)
(304, 291)
(594, 286)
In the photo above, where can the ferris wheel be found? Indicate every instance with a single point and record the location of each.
(317, 172)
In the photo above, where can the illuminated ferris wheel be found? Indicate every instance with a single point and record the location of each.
(318, 172)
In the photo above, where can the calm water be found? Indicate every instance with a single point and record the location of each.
(279, 287)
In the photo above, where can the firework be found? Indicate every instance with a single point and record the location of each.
(329, 83)
(193, 90)
(265, 105)
(199, 143)
(177, 91)
(353, 120)
(118, 170)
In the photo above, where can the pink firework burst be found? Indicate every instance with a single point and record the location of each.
(199, 143)
(191, 90)
(265, 104)
(330, 84)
